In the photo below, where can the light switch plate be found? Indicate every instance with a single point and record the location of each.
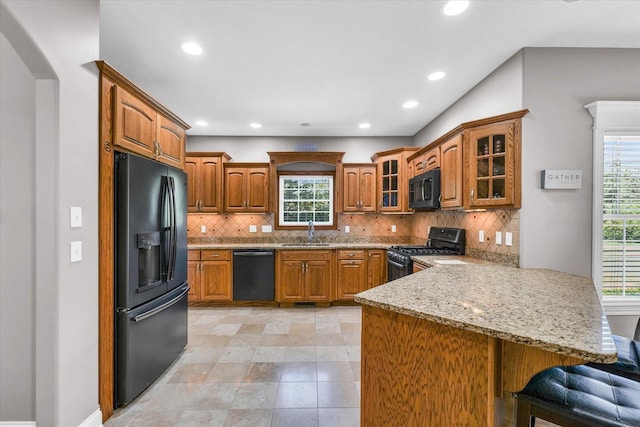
(267, 229)
(508, 239)
(203, 229)
(75, 217)
(498, 237)
(347, 229)
(75, 253)
(481, 236)
(253, 229)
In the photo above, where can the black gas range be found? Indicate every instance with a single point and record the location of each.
(441, 241)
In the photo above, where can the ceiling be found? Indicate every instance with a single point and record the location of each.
(335, 64)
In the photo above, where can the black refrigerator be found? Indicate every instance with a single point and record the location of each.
(150, 271)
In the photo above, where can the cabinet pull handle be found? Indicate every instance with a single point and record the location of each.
(159, 149)
(351, 254)
(472, 195)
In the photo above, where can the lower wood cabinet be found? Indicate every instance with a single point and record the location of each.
(209, 273)
(304, 276)
(359, 270)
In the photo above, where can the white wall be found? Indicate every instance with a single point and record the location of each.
(17, 269)
(557, 134)
(254, 149)
(500, 92)
(58, 42)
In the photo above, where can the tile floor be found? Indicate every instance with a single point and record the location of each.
(257, 367)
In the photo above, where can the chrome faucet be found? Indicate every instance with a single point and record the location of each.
(310, 232)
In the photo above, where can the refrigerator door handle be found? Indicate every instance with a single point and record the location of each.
(160, 308)
(173, 231)
(163, 227)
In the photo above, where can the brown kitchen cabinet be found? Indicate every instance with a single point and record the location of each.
(359, 270)
(304, 276)
(393, 175)
(492, 165)
(451, 173)
(140, 129)
(352, 273)
(209, 273)
(359, 193)
(424, 162)
(376, 267)
(246, 187)
(204, 183)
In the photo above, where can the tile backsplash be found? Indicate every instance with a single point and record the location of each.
(375, 228)
(505, 220)
(230, 228)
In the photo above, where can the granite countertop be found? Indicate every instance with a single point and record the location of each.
(548, 309)
(295, 246)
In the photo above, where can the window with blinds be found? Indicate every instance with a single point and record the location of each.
(621, 217)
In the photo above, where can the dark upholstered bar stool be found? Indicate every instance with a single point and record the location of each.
(591, 395)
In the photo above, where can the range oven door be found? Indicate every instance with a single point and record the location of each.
(396, 270)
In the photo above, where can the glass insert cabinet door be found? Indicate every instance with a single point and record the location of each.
(492, 165)
(389, 178)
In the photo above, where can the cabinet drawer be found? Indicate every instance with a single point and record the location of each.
(193, 255)
(216, 255)
(305, 255)
(350, 254)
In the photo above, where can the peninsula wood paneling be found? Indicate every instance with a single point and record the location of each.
(421, 373)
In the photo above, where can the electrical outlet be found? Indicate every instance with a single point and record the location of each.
(347, 229)
(498, 237)
(481, 236)
(393, 228)
(253, 229)
(267, 229)
(203, 229)
(508, 239)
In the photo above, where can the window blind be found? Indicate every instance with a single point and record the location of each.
(621, 216)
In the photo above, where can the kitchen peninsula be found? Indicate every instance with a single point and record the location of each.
(450, 344)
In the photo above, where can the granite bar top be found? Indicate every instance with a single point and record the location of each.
(294, 246)
(548, 309)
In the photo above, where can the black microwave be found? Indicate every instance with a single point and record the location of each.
(424, 190)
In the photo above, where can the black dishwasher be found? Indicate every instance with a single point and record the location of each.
(253, 275)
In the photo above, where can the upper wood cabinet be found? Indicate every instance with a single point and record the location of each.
(204, 184)
(451, 173)
(424, 162)
(359, 194)
(479, 163)
(246, 187)
(393, 188)
(139, 128)
(171, 140)
(492, 165)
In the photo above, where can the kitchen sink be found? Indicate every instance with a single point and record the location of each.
(306, 244)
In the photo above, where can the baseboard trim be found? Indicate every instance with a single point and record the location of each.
(17, 424)
(94, 420)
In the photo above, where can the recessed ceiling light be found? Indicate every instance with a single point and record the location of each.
(305, 125)
(436, 76)
(410, 104)
(455, 7)
(365, 125)
(255, 125)
(191, 48)
(201, 123)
